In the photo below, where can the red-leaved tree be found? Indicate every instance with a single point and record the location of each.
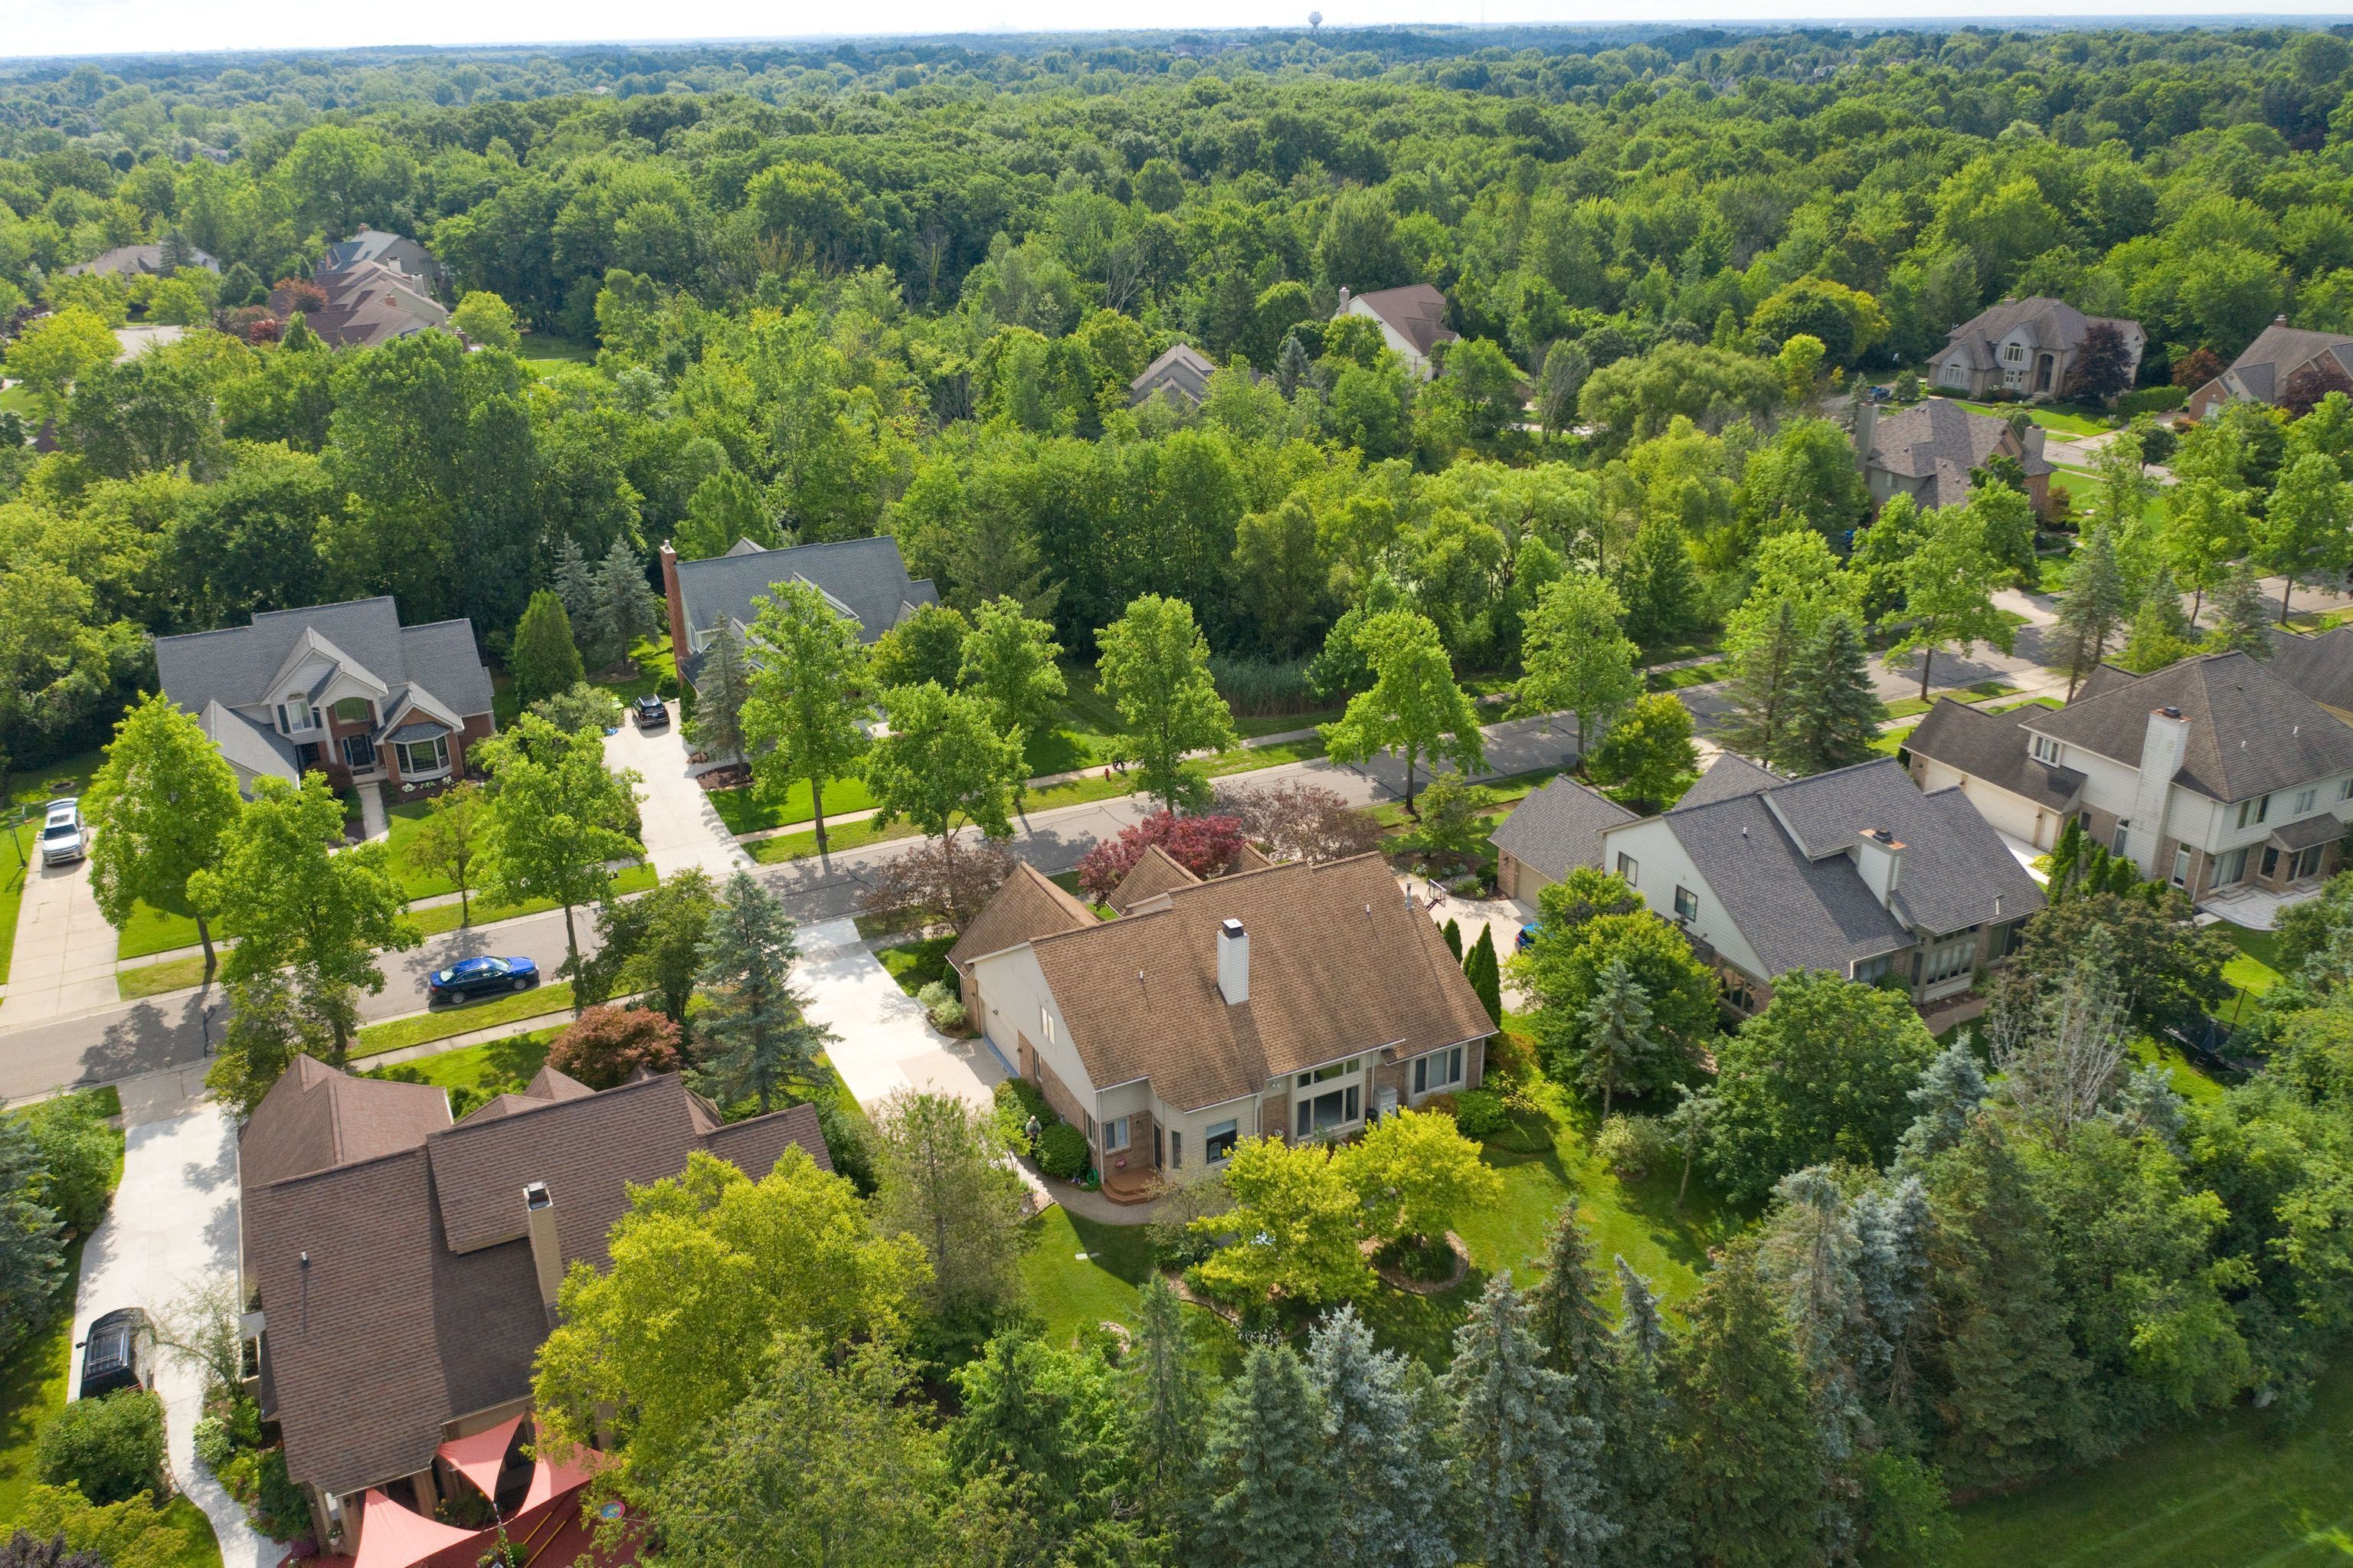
(1300, 821)
(605, 1045)
(1202, 845)
(2196, 368)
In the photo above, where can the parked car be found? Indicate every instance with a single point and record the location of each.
(119, 1353)
(479, 977)
(651, 712)
(63, 836)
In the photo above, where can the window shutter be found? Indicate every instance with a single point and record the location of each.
(283, 727)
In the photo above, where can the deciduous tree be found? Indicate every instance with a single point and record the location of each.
(450, 841)
(809, 691)
(557, 818)
(948, 1180)
(1578, 659)
(160, 807)
(1155, 669)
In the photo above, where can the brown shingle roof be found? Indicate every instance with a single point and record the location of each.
(1416, 312)
(1340, 962)
(1029, 905)
(314, 1118)
(1155, 872)
(396, 1325)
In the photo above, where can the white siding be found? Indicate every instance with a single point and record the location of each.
(1014, 993)
(2007, 813)
(1663, 866)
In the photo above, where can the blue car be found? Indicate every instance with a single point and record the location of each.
(479, 977)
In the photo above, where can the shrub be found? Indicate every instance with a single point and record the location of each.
(111, 1448)
(845, 1141)
(214, 1445)
(1063, 1152)
(2151, 400)
(949, 1016)
(605, 1045)
(1029, 1098)
(1300, 821)
(1479, 1113)
(280, 1508)
(79, 1156)
(133, 1533)
(1633, 1145)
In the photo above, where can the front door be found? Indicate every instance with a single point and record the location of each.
(2271, 861)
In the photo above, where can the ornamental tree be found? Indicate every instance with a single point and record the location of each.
(1414, 1172)
(161, 806)
(1205, 846)
(606, 1045)
(1293, 1226)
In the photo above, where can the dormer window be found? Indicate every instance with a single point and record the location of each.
(294, 715)
(2048, 750)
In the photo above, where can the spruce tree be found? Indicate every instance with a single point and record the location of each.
(1379, 1452)
(1747, 1471)
(1834, 712)
(1532, 1496)
(2093, 609)
(1890, 1265)
(543, 656)
(1949, 1093)
(720, 694)
(2160, 634)
(1762, 675)
(1271, 1500)
(2241, 618)
(2066, 860)
(1640, 1468)
(1486, 975)
(1167, 1404)
(1291, 367)
(1618, 1045)
(755, 1037)
(627, 609)
(1567, 1322)
(32, 1242)
(1453, 934)
(575, 584)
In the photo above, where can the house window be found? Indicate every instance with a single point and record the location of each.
(1323, 1074)
(1629, 869)
(418, 758)
(1686, 904)
(2305, 800)
(1333, 1108)
(1869, 969)
(2230, 868)
(1219, 1142)
(359, 751)
(1947, 959)
(306, 757)
(1046, 1024)
(2254, 812)
(294, 715)
(1115, 1135)
(1439, 1070)
(2181, 858)
(2345, 790)
(2116, 844)
(353, 710)
(2048, 750)
(2308, 864)
(1176, 1151)
(2013, 354)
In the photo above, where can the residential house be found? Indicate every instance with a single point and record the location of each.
(2265, 367)
(1181, 375)
(340, 689)
(1292, 1001)
(398, 252)
(369, 304)
(865, 580)
(1927, 450)
(128, 261)
(1412, 322)
(2319, 666)
(1855, 872)
(2209, 773)
(405, 1266)
(2031, 347)
(1550, 832)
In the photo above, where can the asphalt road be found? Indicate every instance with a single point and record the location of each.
(173, 1030)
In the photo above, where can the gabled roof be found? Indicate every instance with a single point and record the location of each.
(247, 743)
(1992, 747)
(2321, 667)
(1030, 905)
(242, 666)
(867, 578)
(133, 260)
(1416, 312)
(2250, 731)
(370, 303)
(395, 251)
(1557, 827)
(1937, 439)
(1729, 777)
(1155, 872)
(398, 1287)
(2264, 367)
(1780, 861)
(1341, 962)
(315, 1119)
(1182, 370)
(2041, 320)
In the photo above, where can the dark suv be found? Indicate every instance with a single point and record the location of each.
(652, 712)
(119, 1354)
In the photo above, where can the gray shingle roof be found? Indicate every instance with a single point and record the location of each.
(2321, 667)
(1778, 861)
(1992, 747)
(2250, 732)
(1940, 440)
(865, 575)
(2264, 365)
(247, 743)
(1729, 777)
(2050, 323)
(1182, 370)
(1558, 827)
(132, 261)
(1416, 312)
(233, 666)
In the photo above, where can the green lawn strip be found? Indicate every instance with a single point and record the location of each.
(1892, 741)
(437, 919)
(32, 1391)
(744, 812)
(1256, 724)
(916, 964)
(2189, 1081)
(2065, 421)
(845, 836)
(543, 356)
(2241, 1487)
(154, 979)
(20, 400)
(493, 1067)
(2029, 703)
(649, 672)
(152, 931)
(1678, 679)
(2256, 970)
(424, 1028)
(13, 873)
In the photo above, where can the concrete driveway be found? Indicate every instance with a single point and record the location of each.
(63, 966)
(173, 1230)
(680, 828)
(887, 1044)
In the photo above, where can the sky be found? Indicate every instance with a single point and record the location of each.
(149, 27)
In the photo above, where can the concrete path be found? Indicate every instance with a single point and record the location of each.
(887, 1044)
(173, 1231)
(376, 821)
(681, 830)
(63, 964)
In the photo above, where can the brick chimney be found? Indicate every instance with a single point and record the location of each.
(677, 602)
(547, 1251)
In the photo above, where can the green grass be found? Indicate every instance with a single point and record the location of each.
(154, 979)
(493, 1067)
(424, 1028)
(1892, 741)
(2064, 419)
(439, 917)
(32, 1391)
(545, 356)
(199, 1547)
(1687, 675)
(404, 820)
(916, 964)
(745, 812)
(2189, 1081)
(2231, 1490)
(2257, 969)
(846, 836)
(2029, 703)
(149, 930)
(13, 874)
(20, 400)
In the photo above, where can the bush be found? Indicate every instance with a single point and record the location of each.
(1029, 1098)
(79, 1157)
(947, 1012)
(280, 1508)
(214, 1445)
(1632, 1146)
(1063, 1152)
(1479, 1113)
(845, 1141)
(606, 1045)
(111, 1448)
(1255, 688)
(2151, 400)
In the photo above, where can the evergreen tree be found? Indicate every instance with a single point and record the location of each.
(1272, 1501)
(2241, 618)
(1567, 367)
(1291, 368)
(576, 585)
(2066, 859)
(1453, 934)
(1168, 1400)
(1566, 1318)
(1618, 1045)
(1891, 1266)
(1834, 711)
(1950, 1091)
(543, 656)
(1639, 1466)
(1660, 589)
(1763, 675)
(627, 609)
(1807, 1251)
(1747, 1471)
(755, 1037)
(1531, 1496)
(1380, 1452)
(2160, 634)
(1486, 975)
(717, 725)
(32, 1242)
(2093, 609)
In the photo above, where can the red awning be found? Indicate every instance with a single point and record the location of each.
(480, 1458)
(393, 1537)
(551, 1479)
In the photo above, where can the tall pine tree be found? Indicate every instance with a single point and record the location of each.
(1744, 1433)
(725, 686)
(1271, 1500)
(1618, 1046)
(1168, 1405)
(2160, 634)
(1834, 712)
(2241, 618)
(1762, 675)
(2093, 609)
(1379, 1452)
(755, 1037)
(1532, 1496)
(1639, 1467)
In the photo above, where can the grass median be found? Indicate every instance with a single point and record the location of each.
(443, 1024)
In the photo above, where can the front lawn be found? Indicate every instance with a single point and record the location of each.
(13, 873)
(2063, 419)
(32, 1391)
(424, 1028)
(149, 930)
(434, 919)
(2234, 1489)
(1686, 675)
(154, 979)
(493, 1067)
(745, 812)
(1891, 741)
(915, 965)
